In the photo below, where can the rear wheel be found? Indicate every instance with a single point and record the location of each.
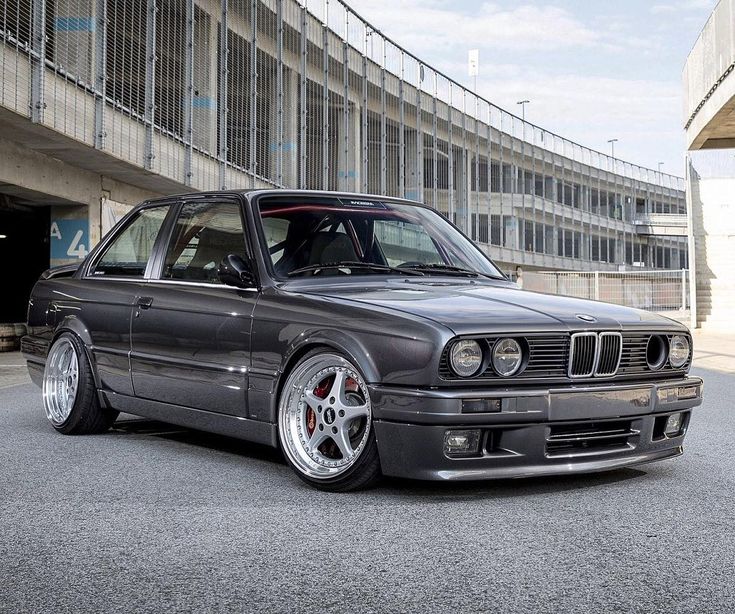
(325, 424)
(69, 394)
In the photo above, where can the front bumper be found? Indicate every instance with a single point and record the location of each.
(572, 429)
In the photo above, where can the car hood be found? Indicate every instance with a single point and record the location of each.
(469, 306)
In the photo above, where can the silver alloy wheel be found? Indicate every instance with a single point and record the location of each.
(60, 381)
(324, 416)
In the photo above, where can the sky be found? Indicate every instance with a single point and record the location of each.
(593, 71)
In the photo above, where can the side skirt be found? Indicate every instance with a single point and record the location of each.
(221, 424)
(35, 370)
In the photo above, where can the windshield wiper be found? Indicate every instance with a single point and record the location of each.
(352, 264)
(448, 269)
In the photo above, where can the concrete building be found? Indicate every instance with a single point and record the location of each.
(709, 93)
(103, 104)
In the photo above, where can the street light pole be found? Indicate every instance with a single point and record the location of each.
(523, 104)
(612, 147)
(660, 164)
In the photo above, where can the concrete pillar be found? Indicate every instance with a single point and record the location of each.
(711, 175)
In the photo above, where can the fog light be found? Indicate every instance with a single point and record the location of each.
(673, 425)
(462, 443)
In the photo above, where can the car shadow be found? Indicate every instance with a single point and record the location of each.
(506, 488)
(202, 439)
(396, 488)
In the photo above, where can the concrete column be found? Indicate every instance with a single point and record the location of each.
(711, 175)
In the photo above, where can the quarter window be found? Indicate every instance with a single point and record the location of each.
(203, 235)
(129, 252)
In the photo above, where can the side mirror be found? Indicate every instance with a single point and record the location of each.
(234, 271)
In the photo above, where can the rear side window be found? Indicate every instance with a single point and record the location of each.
(129, 252)
(204, 234)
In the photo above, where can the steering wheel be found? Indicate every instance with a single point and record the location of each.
(410, 263)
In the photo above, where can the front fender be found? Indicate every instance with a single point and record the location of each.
(265, 390)
(344, 343)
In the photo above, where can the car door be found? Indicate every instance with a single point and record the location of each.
(105, 295)
(190, 333)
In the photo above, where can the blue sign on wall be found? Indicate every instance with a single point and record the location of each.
(69, 239)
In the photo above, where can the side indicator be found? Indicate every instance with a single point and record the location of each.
(688, 392)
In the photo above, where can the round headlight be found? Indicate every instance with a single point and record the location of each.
(507, 357)
(466, 357)
(678, 351)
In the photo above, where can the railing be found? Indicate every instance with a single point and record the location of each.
(651, 290)
(661, 219)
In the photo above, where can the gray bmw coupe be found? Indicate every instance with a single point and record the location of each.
(363, 335)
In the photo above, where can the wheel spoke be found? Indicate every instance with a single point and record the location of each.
(343, 442)
(316, 440)
(312, 400)
(356, 411)
(338, 387)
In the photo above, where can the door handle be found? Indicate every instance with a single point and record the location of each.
(144, 302)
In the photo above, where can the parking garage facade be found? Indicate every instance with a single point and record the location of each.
(103, 104)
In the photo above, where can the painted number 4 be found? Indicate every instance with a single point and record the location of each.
(76, 249)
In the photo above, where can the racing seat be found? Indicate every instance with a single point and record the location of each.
(329, 247)
(212, 247)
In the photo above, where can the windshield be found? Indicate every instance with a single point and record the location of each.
(343, 236)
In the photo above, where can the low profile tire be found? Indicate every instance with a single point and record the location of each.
(325, 424)
(69, 394)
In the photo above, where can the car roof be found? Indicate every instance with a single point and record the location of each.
(252, 193)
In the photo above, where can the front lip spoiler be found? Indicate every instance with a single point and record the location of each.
(572, 468)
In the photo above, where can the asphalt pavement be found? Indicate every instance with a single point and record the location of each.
(153, 518)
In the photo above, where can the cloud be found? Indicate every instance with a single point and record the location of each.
(682, 6)
(429, 24)
(572, 66)
(644, 115)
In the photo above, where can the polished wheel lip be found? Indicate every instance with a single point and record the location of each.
(60, 381)
(300, 447)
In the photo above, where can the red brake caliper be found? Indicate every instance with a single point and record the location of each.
(351, 385)
(320, 391)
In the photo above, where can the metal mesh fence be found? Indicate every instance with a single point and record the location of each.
(253, 93)
(652, 290)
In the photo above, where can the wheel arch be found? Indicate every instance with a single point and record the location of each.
(72, 324)
(336, 341)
